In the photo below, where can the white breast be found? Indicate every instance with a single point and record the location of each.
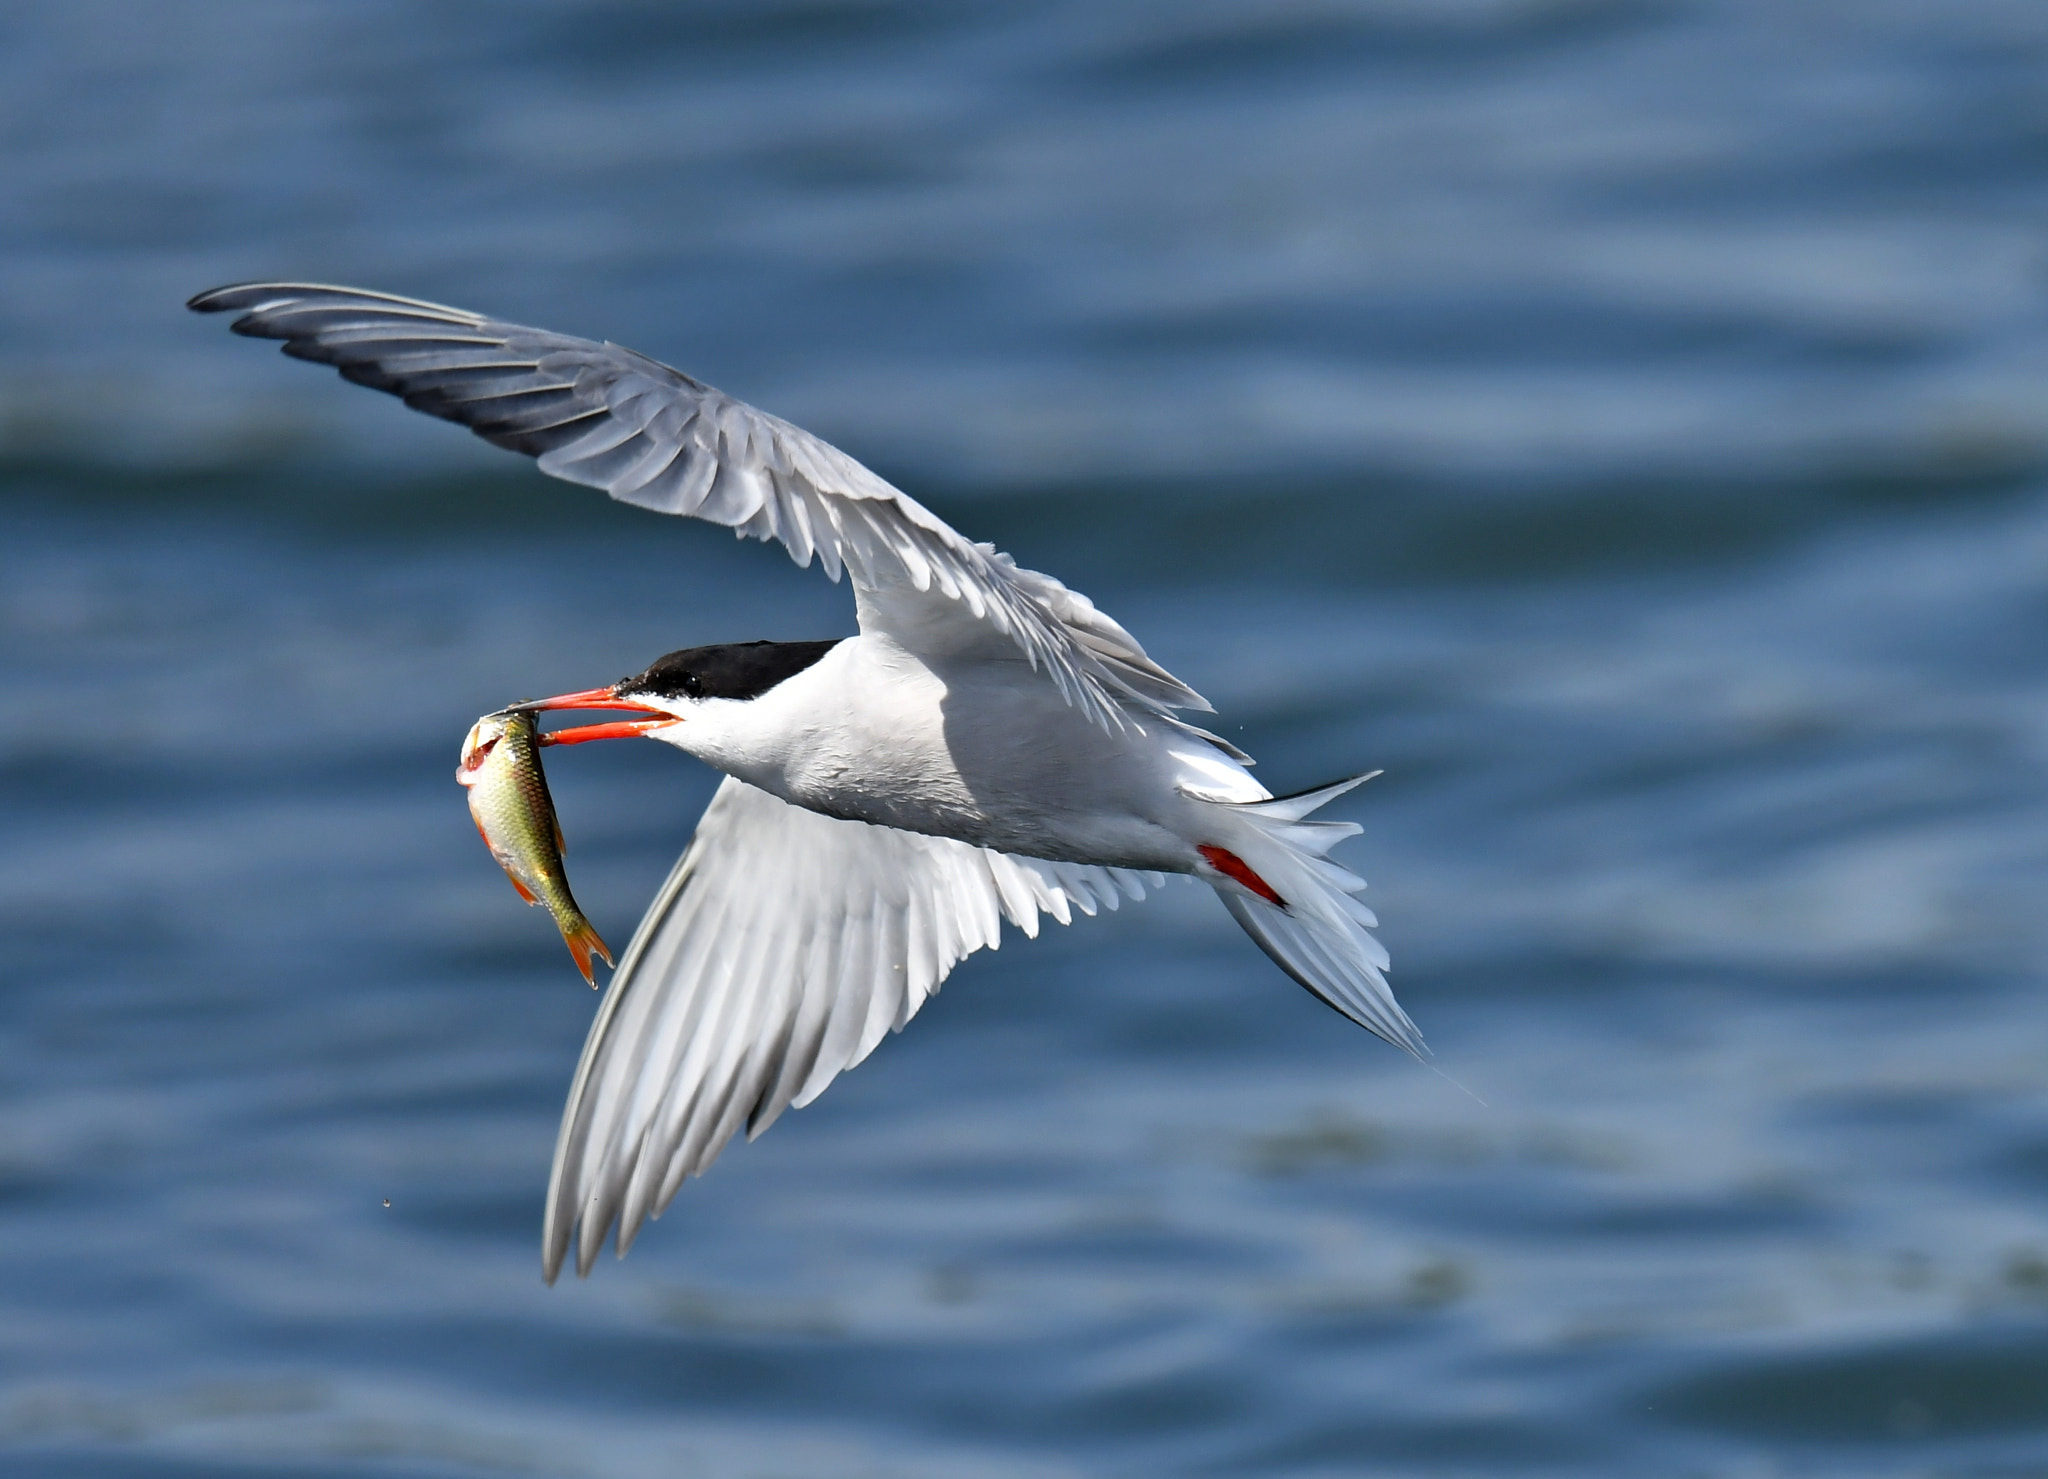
(985, 751)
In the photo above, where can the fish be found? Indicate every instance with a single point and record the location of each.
(508, 798)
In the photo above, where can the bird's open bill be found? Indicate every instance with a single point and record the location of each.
(594, 698)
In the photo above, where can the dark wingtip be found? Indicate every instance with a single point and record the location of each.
(219, 300)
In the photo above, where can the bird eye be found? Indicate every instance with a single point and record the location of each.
(692, 685)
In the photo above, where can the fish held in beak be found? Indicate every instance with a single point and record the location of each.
(509, 800)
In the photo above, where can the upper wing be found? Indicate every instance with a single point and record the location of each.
(781, 948)
(608, 418)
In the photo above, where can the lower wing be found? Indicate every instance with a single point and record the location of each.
(781, 949)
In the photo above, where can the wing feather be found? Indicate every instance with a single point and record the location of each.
(606, 417)
(784, 946)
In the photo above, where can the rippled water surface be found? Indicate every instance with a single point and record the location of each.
(1624, 422)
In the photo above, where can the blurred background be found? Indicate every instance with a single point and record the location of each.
(1624, 421)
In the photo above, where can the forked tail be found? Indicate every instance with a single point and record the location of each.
(583, 942)
(1271, 870)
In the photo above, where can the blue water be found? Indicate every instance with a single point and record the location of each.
(1625, 422)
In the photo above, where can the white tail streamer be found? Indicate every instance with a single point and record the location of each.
(1319, 934)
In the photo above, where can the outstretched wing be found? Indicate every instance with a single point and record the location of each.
(608, 418)
(781, 949)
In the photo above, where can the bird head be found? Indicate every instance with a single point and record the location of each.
(681, 683)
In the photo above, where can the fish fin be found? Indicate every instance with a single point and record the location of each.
(584, 942)
(561, 843)
(524, 892)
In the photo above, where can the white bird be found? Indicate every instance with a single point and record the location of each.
(990, 746)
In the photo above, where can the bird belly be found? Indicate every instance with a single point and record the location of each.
(987, 753)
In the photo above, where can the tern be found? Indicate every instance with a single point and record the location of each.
(989, 747)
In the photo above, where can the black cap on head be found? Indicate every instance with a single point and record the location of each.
(727, 670)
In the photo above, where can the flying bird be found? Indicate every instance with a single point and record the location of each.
(989, 747)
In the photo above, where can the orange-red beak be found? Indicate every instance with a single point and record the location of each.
(595, 698)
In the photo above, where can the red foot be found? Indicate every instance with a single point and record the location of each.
(1232, 866)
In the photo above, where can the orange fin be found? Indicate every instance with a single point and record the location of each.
(1230, 865)
(583, 942)
(524, 892)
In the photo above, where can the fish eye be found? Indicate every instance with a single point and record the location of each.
(693, 685)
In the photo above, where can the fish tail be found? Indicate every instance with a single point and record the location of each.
(583, 942)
